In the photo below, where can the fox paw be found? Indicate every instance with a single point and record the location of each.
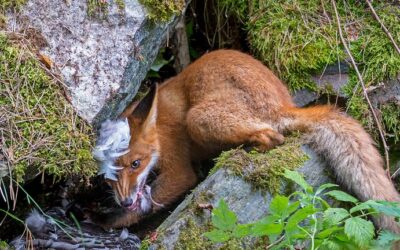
(266, 140)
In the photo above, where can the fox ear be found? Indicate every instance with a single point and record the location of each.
(146, 110)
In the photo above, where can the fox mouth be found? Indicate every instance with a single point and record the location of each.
(143, 195)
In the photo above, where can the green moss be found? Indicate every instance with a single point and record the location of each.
(11, 4)
(264, 170)
(298, 39)
(120, 4)
(377, 60)
(192, 237)
(97, 8)
(391, 118)
(293, 39)
(40, 130)
(238, 8)
(201, 198)
(164, 10)
(145, 244)
(4, 245)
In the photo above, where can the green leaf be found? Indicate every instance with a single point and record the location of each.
(159, 63)
(291, 208)
(333, 216)
(342, 237)
(222, 217)
(386, 239)
(325, 205)
(325, 186)
(360, 230)
(217, 235)
(278, 205)
(327, 232)
(269, 219)
(359, 207)
(298, 179)
(261, 229)
(298, 217)
(386, 207)
(341, 196)
(242, 230)
(153, 74)
(331, 245)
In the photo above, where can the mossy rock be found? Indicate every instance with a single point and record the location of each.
(164, 10)
(299, 39)
(263, 170)
(41, 131)
(248, 197)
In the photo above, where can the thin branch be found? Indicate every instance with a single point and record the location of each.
(378, 124)
(383, 26)
(276, 242)
(394, 175)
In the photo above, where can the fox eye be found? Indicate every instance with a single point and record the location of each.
(135, 164)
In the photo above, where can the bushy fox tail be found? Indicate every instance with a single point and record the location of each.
(349, 150)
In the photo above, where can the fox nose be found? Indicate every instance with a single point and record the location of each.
(127, 202)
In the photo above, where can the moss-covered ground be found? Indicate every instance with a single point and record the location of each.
(264, 170)
(197, 221)
(157, 11)
(11, 4)
(99, 8)
(162, 11)
(40, 132)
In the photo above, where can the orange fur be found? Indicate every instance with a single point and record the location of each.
(225, 99)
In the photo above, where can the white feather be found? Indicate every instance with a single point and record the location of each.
(112, 142)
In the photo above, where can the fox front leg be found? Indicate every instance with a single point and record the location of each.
(171, 185)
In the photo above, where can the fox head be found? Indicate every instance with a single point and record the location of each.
(128, 150)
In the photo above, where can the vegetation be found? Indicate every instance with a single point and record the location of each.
(304, 219)
(40, 131)
(7, 5)
(297, 39)
(163, 11)
(99, 8)
(264, 170)
(392, 120)
(157, 11)
(11, 4)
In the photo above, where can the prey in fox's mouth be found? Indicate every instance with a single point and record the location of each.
(128, 169)
(140, 200)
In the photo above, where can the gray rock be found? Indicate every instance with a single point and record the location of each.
(55, 231)
(336, 76)
(101, 61)
(386, 92)
(247, 203)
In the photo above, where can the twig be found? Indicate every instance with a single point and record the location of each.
(394, 175)
(378, 124)
(276, 242)
(383, 26)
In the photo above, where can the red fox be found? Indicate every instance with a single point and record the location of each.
(223, 100)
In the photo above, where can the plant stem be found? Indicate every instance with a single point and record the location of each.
(378, 124)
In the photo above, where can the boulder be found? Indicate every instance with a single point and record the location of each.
(102, 60)
(335, 77)
(183, 229)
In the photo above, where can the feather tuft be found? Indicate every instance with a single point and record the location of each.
(112, 142)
